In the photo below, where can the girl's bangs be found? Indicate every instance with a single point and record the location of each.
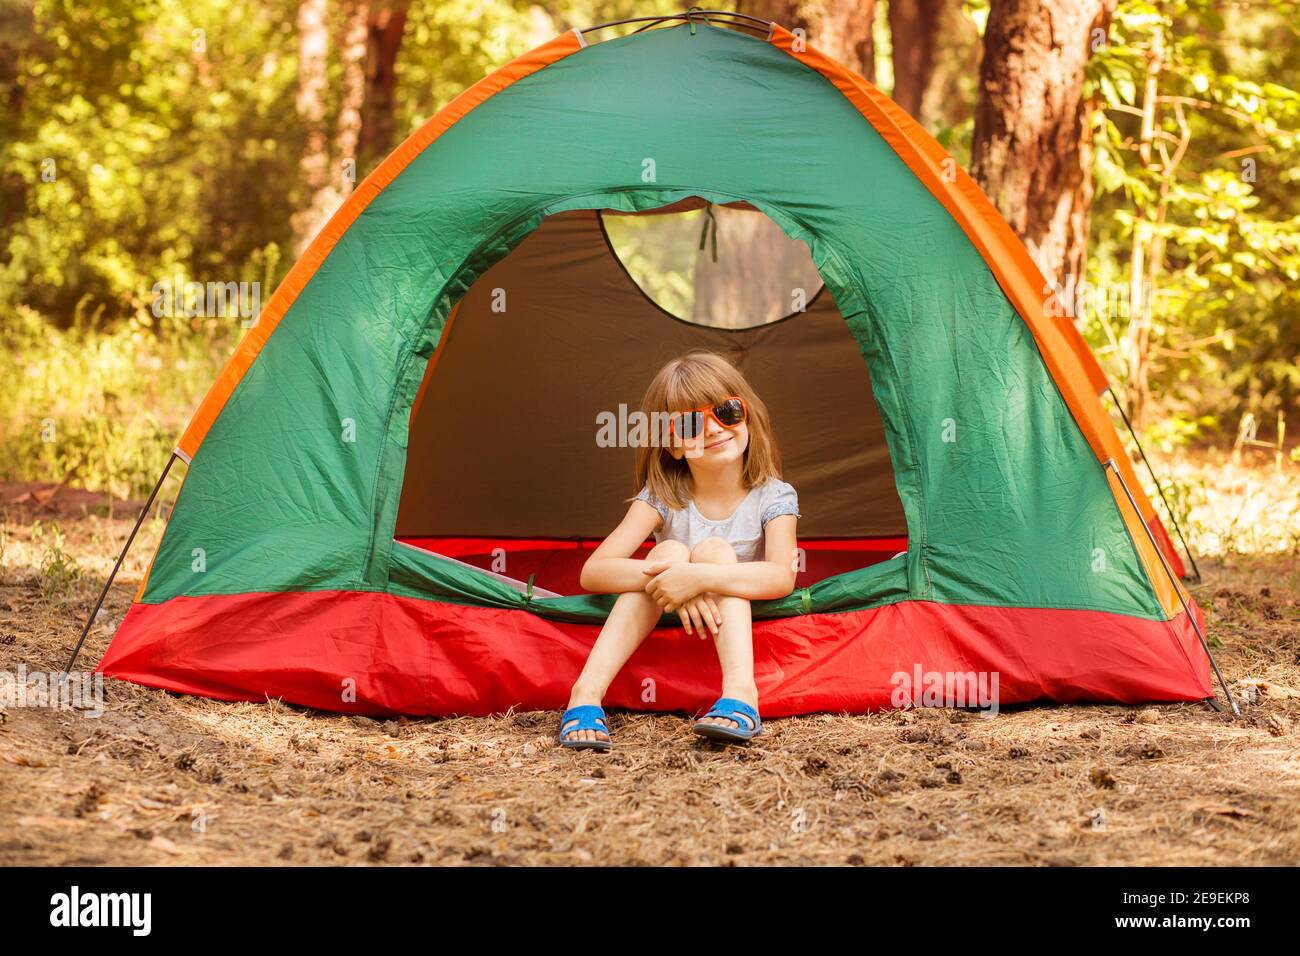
(695, 386)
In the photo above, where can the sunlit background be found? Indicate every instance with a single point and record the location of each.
(207, 140)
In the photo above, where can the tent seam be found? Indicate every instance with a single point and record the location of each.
(535, 605)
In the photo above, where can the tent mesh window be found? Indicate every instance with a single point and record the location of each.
(723, 265)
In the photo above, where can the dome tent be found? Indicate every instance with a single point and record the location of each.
(390, 484)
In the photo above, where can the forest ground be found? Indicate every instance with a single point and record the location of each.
(162, 778)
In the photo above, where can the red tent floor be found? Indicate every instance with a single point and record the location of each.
(380, 654)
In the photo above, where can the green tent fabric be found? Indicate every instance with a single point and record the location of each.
(1018, 489)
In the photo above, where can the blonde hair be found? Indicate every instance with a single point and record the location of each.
(694, 380)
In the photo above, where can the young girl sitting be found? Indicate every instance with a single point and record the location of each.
(724, 523)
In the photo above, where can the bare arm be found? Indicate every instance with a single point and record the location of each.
(611, 569)
(764, 580)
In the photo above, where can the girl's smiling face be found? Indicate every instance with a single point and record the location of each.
(716, 446)
(705, 382)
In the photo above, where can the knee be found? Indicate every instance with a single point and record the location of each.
(634, 599)
(714, 551)
(669, 551)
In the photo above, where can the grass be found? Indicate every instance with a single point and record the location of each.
(1230, 507)
(100, 409)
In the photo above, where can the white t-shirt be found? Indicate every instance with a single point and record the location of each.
(743, 530)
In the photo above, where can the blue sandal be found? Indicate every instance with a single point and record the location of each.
(589, 717)
(731, 709)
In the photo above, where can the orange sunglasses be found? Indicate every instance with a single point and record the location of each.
(689, 424)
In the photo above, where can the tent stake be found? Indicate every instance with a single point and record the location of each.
(1159, 488)
(1173, 578)
(117, 567)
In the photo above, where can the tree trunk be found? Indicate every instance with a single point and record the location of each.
(387, 22)
(839, 29)
(913, 30)
(314, 172)
(1147, 250)
(1032, 145)
(949, 97)
(353, 54)
(760, 273)
(329, 175)
(935, 53)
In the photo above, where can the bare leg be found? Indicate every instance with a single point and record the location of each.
(629, 623)
(735, 639)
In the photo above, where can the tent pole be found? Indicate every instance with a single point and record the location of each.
(740, 19)
(116, 567)
(1159, 488)
(1173, 578)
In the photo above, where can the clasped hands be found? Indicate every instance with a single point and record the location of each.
(680, 586)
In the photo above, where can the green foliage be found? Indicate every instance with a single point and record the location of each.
(142, 140)
(659, 253)
(450, 45)
(101, 408)
(153, 139)
(958, 139)
(59, 571)
(1220, 191)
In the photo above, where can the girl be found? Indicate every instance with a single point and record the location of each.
(724, 523)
